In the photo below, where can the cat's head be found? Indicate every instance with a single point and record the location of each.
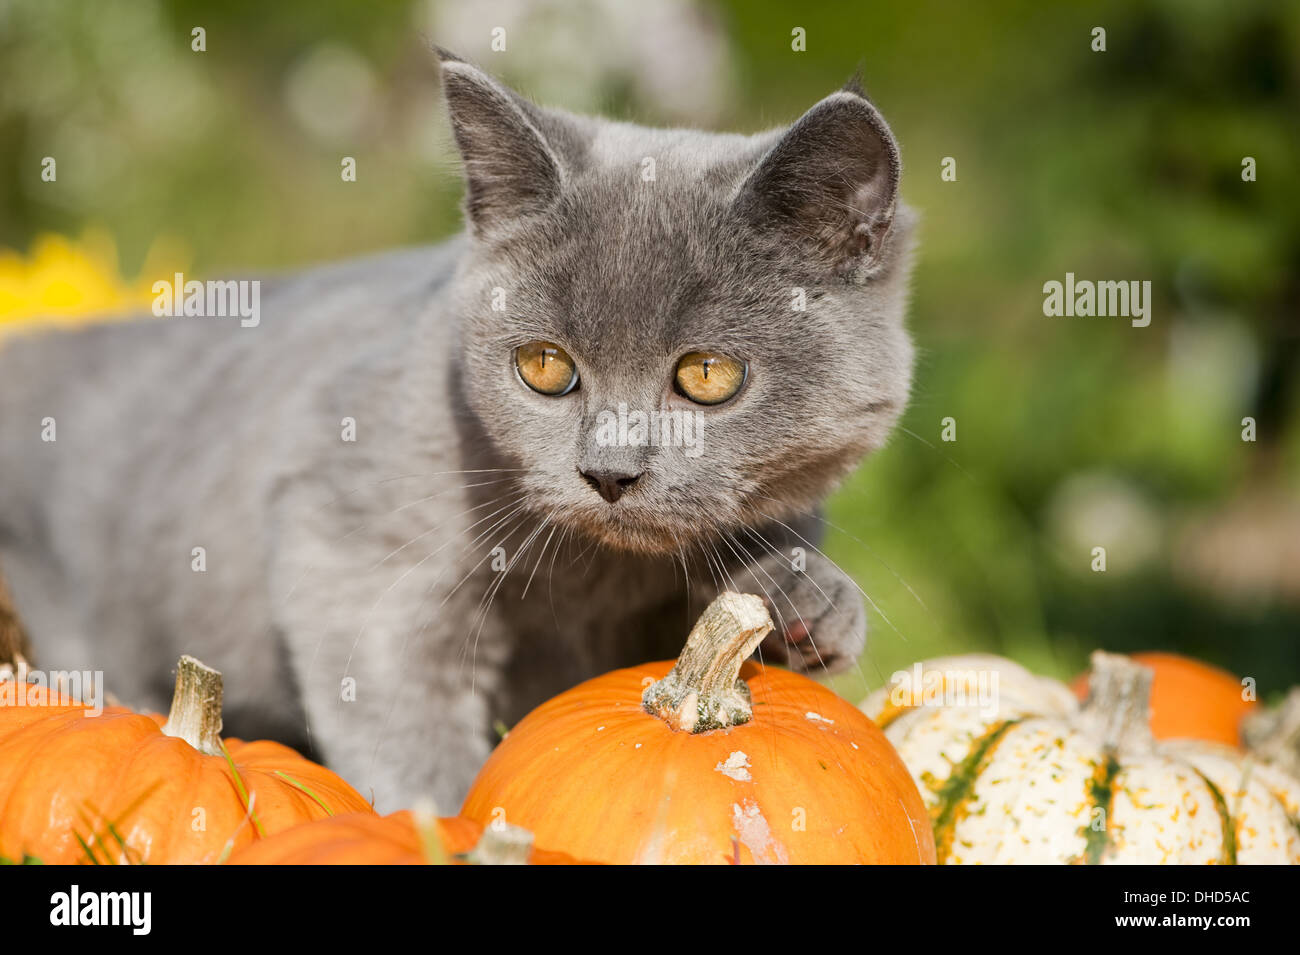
(750, 290)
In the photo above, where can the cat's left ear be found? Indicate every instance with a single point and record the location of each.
(830, 183)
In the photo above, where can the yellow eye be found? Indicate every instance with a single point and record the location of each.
(708, 378)
(546, 368)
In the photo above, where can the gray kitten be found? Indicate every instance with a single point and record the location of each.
(479, 546)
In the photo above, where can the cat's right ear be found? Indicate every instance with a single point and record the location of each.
(510, 170)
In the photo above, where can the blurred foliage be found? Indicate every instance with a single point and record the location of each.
(1071, 432)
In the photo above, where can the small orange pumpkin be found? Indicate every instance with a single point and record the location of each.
(1189, 699)
(400, 839)
(120, 786)
(706, 761)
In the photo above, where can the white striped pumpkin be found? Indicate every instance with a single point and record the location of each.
(1273, 735)
(1025, 774)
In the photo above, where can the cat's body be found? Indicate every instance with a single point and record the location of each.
(351, 590)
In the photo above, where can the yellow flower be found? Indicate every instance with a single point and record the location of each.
(65, 282)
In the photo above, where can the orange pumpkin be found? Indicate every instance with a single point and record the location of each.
(706, 761)
(125, 787)
(1189, 699)
(400, 839)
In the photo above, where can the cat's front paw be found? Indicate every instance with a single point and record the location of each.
(821, 621)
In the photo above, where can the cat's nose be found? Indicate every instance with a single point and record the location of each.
(610, 484)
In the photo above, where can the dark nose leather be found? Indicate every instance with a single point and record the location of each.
(610, 484)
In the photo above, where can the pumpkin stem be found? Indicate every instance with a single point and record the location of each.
(703, 691)
(196, 706)
(502, 844)
(14, 647)
(1273, 735)
(1118, 708)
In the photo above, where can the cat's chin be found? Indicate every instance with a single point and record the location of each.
(634, 537)
(635, 532)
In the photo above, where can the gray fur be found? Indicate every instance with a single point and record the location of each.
(371, 560)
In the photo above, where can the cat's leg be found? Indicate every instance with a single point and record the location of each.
(819, 611)
(386, 704)
(393, 677)
(821, 615)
